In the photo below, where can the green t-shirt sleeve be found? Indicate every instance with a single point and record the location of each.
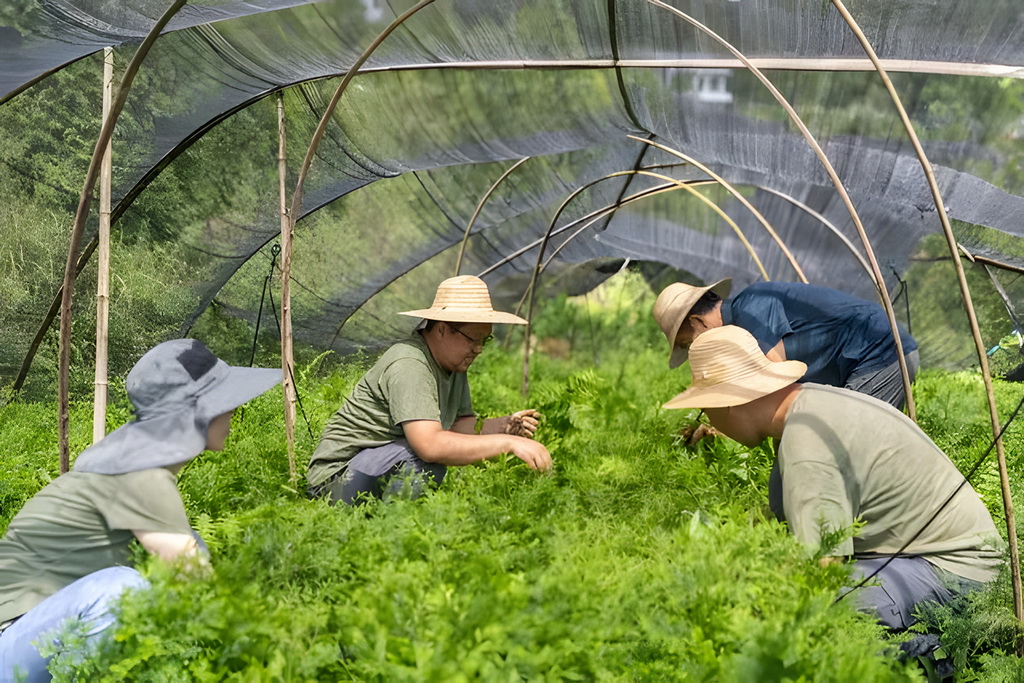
(466, 404)
(147, 500)
(410, 391)
(815, 494)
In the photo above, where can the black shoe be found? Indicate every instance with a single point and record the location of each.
(926, 648)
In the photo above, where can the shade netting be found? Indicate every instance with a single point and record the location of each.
(466, 88)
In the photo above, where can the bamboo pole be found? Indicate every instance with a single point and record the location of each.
(830, 64)
(531, 290)
(828, 224)
(735, 193)
(965, 293)
(67, 292)
(99, 407)
(593, 216)
(479, 208)
(676, 185)
(689, 187)
(883, 293)
(287, 340)
(321, 129)
(998, 264)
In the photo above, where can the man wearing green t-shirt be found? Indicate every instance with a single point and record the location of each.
(848, 458)
(411, 413)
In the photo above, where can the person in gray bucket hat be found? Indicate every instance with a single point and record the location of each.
(66, 555)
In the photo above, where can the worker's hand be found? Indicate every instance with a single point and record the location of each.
(523, 423)
(693, 433)
(532, 453)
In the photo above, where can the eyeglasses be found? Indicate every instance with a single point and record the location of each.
(475, 342)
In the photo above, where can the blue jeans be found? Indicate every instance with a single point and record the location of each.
(88, 599)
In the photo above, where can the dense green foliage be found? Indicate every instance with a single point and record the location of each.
(637, 558)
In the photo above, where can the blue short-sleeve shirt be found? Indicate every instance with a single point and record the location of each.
(836, 334)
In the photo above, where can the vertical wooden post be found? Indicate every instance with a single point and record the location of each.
(287, 348)
(972, 318)
(99, 407)
(883, 293)
(78, 228)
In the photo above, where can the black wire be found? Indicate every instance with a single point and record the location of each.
(904, 290)
(259, 316)
(275, 250)
(967, 479)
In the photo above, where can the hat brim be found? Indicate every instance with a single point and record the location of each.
(240, 386)
(680, 354)
(450, 315)
(742, 390)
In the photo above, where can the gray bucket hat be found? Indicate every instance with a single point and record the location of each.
(177, 388)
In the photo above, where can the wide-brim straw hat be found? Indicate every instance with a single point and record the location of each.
(672, 307)
(729, 369)
(464, 299)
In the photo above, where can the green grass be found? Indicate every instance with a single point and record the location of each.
(637, 558)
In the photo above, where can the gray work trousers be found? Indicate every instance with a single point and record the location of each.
(886, 384)
(382, 472)
(902, 585)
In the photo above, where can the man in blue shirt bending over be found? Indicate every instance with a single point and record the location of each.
(845, 341)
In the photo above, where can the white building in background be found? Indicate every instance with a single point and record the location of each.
(373, 10)
(706, 86)
(712, 85)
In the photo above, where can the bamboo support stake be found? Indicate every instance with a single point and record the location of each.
(287, 341)
(321, 129)
(689, 187)
(70, 271)
(670, 187)
(883, 293)
(593, 216)
(479, 208)
(965, 293)
(99, 406)
(671, 183)
(531, 289)
(735, 193)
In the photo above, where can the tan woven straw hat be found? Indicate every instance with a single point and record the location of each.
(729, 369)
(464, 299)
(672, 306)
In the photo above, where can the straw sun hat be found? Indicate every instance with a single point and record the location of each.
(729, 369)
(464, 299)
(672, 306)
